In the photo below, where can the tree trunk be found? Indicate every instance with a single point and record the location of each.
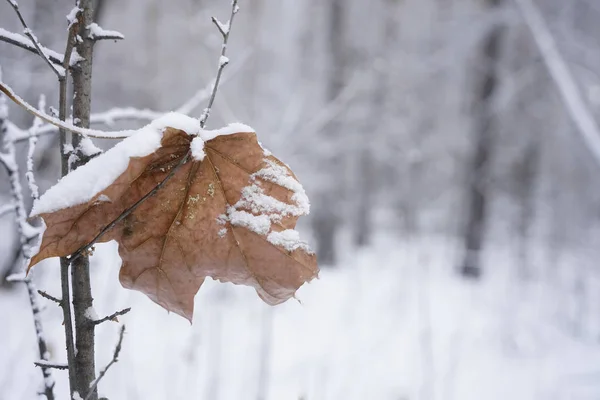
(326, 221)
(526, 179)
(479, 172)
(85, 369)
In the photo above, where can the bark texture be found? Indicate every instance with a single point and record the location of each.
(85, 367)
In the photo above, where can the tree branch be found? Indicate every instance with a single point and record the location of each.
(26, 234)
(47, 364)
(223, 60)
(50, 297)
(24, 42)
(113, 316)
(59, 71)
(115, 358)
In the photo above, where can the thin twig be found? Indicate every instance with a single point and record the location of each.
(18, 40)
(113, 316)
(29, 33)
(46, 364)
(223, 60)
(115, 358)
(50, 297)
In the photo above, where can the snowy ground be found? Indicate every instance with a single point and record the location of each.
(391, 322)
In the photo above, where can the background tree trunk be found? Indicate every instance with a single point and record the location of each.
(326, 217)
(479, 173)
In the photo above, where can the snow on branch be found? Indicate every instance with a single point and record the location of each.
(98, 33)
(562, 76)
(117, 114)
(27, 233)
(58, 70)
(25, 43)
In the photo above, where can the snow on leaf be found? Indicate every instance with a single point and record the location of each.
(289, 239)
(213, 218)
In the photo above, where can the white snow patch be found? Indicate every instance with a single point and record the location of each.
(197, 147)
(97, 32)
(90, 314)
(81, 185)
(72, 15)
(18, 277)
(222, 232)
(223, 61)
(76, 396)
(279, 175)
(266, 151)
(260, 224)
(230, 129)
(254, 199)
(289, 239)
(88, 148)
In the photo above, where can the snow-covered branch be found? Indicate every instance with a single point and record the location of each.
(27, 233)
(25, 43)
(96, 32)
(562, 76)
(58, 70)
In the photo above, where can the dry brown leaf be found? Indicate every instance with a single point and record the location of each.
(229, 217)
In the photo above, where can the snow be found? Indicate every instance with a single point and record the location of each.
(223, 27)
(223, 61)
(72, 15)
(18, 277)
(88, 148)
(76, 396)
(97, 32)
(279, 175)
(230, 129)
(260, 224)
(197, 148)
(90, 313)
(360, 334)
(81, 185)
(289, 239)
(24, 40)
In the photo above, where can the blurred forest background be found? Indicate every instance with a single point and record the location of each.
(455, 206)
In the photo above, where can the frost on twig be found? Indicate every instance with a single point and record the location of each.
(27, 234)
